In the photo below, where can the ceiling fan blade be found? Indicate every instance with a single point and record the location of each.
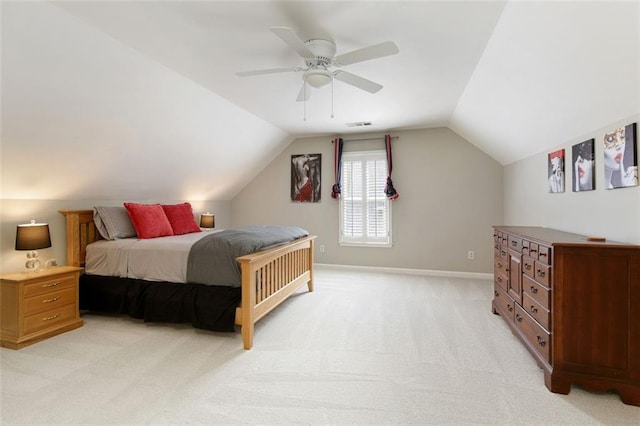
(291, 39)
(386, 48)
(267, 71)
(304, 94)
(357, 81)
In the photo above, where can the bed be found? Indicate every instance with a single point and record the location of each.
(267, 277)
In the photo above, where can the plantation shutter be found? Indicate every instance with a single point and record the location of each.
(365, 214)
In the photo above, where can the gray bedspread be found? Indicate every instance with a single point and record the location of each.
(212, 259)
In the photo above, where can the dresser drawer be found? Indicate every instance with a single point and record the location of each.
(527, 266)
(502, 280)
(537, 311)
(515, 243)
(501, 265)
(537, 292)
(544, 254)
(51, 300)
(503, 303)
(538, 337)
(50, 319)
(542, 273)
(49, 284)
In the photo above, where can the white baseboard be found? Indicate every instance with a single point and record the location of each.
(429, 272)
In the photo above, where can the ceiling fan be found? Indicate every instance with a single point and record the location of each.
(319, 57)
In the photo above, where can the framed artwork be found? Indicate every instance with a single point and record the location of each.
(620, 157)
(583, 163)
(306, 178)
(556, 171)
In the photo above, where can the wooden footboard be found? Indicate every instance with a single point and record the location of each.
(268, 276)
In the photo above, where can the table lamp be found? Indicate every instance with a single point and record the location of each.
(207, 220)
(32, 236)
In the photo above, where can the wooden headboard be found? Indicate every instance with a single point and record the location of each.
(80, 231)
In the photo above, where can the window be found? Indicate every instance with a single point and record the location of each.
(365, 211)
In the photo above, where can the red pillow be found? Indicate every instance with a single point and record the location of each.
(181, 218)
(149, 220)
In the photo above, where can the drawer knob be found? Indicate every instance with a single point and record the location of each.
(534, 290)
(527, 266)
(534, 309)
(496, 294)
(53, 299)
(50, 284)
(49, 318)
(499, 279)
(510, 308)
(541, 341)
(514, 243)
(540, 273)
(518, 318)
(542, 254)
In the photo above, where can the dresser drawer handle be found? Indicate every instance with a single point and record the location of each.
(50, 284)
(534, 290)
(542, 254)
(499, 265)
(53, 299)
(540, 273)
(533, 251)
(527, 266)
(541, 341)
(49, 318)
(499, 279)
(510, 308)
(496, 294)
(518, 318)
(514, 243)
(534, 310)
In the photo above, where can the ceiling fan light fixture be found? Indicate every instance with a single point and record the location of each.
(318, 78)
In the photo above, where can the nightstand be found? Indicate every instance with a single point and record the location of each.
(38, 305)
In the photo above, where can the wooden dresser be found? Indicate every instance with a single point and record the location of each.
(574, 304)
(38, 305)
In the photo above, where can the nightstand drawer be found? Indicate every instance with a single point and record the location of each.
(46, 285)
(48, 301)
(50, 319)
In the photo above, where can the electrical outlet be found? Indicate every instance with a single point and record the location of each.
(471, 254)
(321, 249)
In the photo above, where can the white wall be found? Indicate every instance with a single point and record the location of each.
(450, 196)
(613, 214)
(14, 212)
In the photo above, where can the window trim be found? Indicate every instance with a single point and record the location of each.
(364, 242)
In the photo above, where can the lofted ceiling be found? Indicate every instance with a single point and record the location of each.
(513, 77)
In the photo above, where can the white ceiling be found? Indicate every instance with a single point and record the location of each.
(514, 78)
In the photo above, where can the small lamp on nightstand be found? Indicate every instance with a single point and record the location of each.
(207, 220)
(33, 236)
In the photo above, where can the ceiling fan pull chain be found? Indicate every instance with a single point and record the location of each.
(331, 98)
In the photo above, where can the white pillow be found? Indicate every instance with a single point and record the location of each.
(113, 223)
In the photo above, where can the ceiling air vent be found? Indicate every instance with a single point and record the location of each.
(359, 124)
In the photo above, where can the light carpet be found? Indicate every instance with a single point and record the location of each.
(364, 348)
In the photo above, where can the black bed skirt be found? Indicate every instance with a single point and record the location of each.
(207, 307)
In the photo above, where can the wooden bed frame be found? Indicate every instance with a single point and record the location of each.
(268, 277)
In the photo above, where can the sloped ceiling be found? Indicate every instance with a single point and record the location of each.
(139, 100)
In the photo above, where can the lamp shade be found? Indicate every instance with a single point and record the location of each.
(33, 236)
(207, 220)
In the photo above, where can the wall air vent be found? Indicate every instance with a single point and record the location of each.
(359, 124)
